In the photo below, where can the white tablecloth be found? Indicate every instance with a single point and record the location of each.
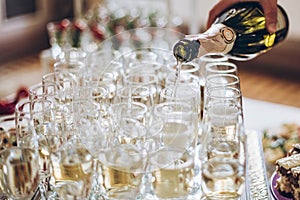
(259, 115)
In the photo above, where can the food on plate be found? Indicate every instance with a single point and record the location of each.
(295, 182)
(294, 150)
(288, 170)
(278, 141)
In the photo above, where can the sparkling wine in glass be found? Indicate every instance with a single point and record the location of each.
(19, 172)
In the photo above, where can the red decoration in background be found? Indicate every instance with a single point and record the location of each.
(64, 24)
(8, 107)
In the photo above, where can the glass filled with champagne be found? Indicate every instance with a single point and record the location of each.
(120, 157)
(19, 172)
(173, 166)
(72, 171)
(223, 152)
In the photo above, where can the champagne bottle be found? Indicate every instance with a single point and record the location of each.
(239, 32)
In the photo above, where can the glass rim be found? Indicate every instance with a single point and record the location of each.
(192, 93)
(20, 105)
(209, 57)
(210, 79)
(195, 67)
(128, 88)
(208, 67)
(187, 109)
(66, 65)
(236, 92)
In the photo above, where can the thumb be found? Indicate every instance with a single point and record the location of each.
(270, 11)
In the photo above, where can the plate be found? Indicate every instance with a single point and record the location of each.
(276, 195)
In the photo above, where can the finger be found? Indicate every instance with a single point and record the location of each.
(217, 9)
(270, 12)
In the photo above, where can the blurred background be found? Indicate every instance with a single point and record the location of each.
(24, 41)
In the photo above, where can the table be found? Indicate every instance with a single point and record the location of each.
(260, 115)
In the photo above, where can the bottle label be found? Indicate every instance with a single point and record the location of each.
(217, 39)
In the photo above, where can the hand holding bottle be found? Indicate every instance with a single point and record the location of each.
(269, 7)
(239, 31)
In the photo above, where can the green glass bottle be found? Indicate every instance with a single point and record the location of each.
(239, 32)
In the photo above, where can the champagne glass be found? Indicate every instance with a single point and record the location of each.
(146, 80)
(120, 159)
(173, 166)
(229, 80)
(146, 141)
(220, 68)
(105, 64)
(135, 94)
(223, 152)
(71, 163)
(210, 58)
(8, 132)
(223, 94)
(190, 67)
(19, 172)
(181, 93)
(35, 123)
(49, 78)
(44, 91)
(140, 56)
(146, 67)
(187, 79)
(72, 70)
(72, 170)
(94, 133)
